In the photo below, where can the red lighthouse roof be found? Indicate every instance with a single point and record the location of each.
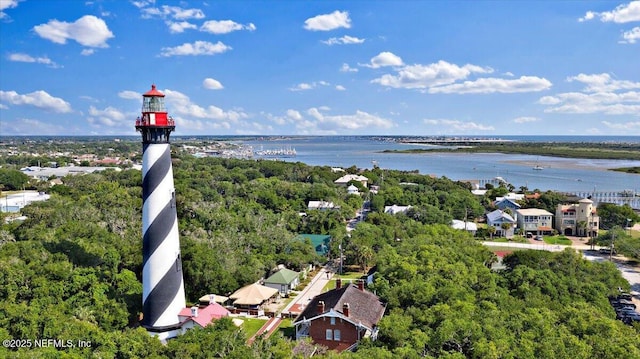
(153, 92)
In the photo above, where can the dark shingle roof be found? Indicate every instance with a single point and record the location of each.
(364, 307)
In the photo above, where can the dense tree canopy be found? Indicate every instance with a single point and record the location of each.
(72, 269)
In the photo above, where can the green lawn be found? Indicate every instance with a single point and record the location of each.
(287, 329)
(252, 325)
(557, 240)
(349, 274)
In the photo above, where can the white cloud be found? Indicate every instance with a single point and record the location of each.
(180, 104)
(327, 22)
(195, 49)
(426, 76)
(493, 85)
(359, 120)
(130, 95)
(7, 4)
(525, 119)
(225, 26)
(603, 83)
(87, 52)
(624, 126)
(384, 59)
(39, 99)
(346, 68)
(212, 84)
(301, 87)
(345, 40)
(110, 117)
(173, 12)
(602, 94)
(87, 31)
(609, 103)
(304, 86)
(457, 126)
(631, 36)
(293, 114)
(18, 57)
(621, 14)
(340, 88)
(180, 27)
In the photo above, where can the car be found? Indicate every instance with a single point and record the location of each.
(538, 238)
(529, 235)
(626, 310)
(628, 319)
(614, 301)
(625, 297)
(607, 251)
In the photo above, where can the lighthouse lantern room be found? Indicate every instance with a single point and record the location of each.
(155, 124)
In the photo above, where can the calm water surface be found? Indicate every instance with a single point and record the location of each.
(560, 174)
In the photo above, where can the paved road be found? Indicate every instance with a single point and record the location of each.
(314, 288)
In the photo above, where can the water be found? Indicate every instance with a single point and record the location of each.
(559, 174)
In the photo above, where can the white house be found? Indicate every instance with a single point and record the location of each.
(352, 190)
(535, 221)
(464, 226)
(395, 209)
(344, 180)
(497, 219)
(321, 205)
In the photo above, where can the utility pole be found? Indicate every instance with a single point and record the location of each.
(590, 231)
(613, 236)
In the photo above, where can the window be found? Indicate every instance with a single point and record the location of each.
(333, 320)
(336, 335)
(329, 334)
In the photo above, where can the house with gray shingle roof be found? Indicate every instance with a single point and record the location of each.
(284, 280)
(341, 317)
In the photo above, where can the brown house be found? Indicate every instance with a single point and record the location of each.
(339, 318)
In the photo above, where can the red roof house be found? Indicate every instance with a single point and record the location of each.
(201, 315)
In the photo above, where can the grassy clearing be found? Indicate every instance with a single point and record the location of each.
(287, 329)
(252, 325)
(561, 240)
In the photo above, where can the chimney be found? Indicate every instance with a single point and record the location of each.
(361, 285)
(338, 283)
(194, 311)
(345, 309)
(321, 307)
(212, 298)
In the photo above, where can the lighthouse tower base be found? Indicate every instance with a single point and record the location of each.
(166, 335)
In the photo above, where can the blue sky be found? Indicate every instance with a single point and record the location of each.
(322, 67)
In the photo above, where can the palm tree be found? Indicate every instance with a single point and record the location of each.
(491, 230)
(505, 227)
(364, 254)
(582, 226)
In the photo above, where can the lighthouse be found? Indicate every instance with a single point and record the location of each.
(162, 283)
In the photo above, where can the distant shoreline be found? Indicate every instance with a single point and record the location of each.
(605, 151)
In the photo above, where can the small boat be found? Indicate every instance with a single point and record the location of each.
(538, 168)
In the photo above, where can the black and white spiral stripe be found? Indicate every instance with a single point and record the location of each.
(162, 282)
